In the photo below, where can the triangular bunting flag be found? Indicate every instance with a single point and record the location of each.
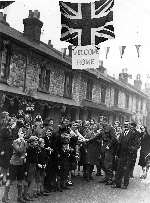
(138, 49)
(107, 51)
(122, 48)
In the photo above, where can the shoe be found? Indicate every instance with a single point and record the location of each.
(102, 181)
(109, 183)
(69, 183)
(116, 186)
(27, 198)
(66, 188)
(5, 200)
(21, 200)
(124, 187)
(99, 174)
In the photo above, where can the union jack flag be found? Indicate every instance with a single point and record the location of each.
(87, 23)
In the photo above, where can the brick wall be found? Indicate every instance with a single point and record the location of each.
(17, 71)
(57, 80)
(96, 93)
(76, 87)
(32, 76)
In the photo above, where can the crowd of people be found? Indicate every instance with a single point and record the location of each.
(32, 151)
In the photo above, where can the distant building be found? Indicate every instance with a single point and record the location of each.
(32, 72)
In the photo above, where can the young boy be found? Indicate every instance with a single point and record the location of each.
(42, 159)
(31, 163)
(16, 169)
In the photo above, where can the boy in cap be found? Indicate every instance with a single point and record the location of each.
(16, 169)
(31, 163)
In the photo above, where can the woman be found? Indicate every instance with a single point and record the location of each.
(5, 145)
(145, 149)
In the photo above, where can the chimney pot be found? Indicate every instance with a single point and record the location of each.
(70, 50)
(50, 43)
(63, 50)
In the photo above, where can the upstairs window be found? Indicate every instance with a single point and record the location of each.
(137, 104)
(141, 105)
(127, 101)
(44, 79)
(89, 89)
(5, 55)
(103, 93)
(68, 85)
(116, 96)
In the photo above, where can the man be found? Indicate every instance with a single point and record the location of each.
(128, 144)
(134, 156)
(107, 152)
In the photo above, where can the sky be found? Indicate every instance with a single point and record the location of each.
(131, 23)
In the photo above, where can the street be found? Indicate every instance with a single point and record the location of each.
(93, 192)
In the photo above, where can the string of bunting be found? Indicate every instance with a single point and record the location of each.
(122, 50)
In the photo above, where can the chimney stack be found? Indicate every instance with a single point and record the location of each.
(32, 26)
(124, 76)
(138, 82)
(3, 18)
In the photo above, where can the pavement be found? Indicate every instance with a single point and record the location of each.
(138, 191)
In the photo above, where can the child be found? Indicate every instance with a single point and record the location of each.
(16, 169)
(31, 163)
(42, 159)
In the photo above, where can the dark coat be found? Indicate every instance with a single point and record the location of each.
(145, 149)
(6, 147)
(128, 145)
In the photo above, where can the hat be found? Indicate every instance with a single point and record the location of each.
(133, 124)
(126, 122)
(33, 138)
(4, 114)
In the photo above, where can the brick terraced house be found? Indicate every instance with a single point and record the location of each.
(32, 72)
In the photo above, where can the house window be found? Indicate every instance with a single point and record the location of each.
(137, 104)
(4, 61)
(127, 101)
(103, 94)
(68, 85)
(44, 79)
(89, 90)
(141, 105)
(116, 95)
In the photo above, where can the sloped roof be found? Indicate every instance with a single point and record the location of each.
(108, 78)
(42, 47)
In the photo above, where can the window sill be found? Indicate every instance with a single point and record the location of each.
(90, 100)
(43, 91)
(68, 97)
(3, 80)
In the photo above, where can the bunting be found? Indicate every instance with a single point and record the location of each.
(122, 49)
(138, 49)
(107, 51)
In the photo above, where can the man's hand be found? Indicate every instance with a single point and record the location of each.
(39, 165)
(2, 153)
